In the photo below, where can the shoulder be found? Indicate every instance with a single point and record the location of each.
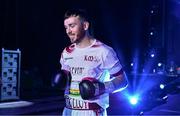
(102, 47)
(69, 49)
(97, 44)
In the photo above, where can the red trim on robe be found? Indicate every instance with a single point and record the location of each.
(118, 73)
(70, 48)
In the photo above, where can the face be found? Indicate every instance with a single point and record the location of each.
(75, 28)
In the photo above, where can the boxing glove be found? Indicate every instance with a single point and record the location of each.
(91, 88)
(61, 80)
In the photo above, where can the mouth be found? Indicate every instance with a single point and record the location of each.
(71, 34)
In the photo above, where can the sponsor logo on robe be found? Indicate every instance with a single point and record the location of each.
(68, 58)
(77, 70)
(75, 103)
(91, 58)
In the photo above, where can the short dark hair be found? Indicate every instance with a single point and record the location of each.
(82, 14)
(77, 12)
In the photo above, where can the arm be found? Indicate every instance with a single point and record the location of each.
(65, 71)
(91, 88)
(117, 83)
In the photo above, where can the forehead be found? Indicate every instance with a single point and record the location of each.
(72, 19)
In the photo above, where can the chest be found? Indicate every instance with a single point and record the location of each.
(84, 59)
(84, 63)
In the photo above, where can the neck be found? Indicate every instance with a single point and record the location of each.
(85, 41)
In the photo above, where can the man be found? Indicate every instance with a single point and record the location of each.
(94, 68)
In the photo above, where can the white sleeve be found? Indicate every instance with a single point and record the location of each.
(111, 62)
(64, 66)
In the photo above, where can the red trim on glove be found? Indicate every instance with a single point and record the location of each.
(91, 79)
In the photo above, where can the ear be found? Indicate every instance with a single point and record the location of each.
(86, 25)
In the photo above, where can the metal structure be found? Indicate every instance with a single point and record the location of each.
(10, 74)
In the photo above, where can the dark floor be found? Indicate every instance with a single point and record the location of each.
(44, 106)
(54, 106)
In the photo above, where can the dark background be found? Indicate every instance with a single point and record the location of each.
(36, 28)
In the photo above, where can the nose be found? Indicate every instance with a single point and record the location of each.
(68, 30)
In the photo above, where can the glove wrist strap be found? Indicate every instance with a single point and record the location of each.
(109, 87)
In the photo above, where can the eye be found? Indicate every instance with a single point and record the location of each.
(72, 25)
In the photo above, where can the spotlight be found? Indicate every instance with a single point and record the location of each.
(152, 52)
(152, 55)
(162, 86)
(133, 100)
(151, 33)
(160, 68)
(159, 64)
(132, 64)
(152, 11)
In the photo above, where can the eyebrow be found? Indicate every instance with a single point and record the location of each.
(70, 24)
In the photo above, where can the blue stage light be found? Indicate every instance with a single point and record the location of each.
(151, 33)
(152, 11)
(132, 64)
(152, 55)
(159, 64)
(161, 86)
(133, 100)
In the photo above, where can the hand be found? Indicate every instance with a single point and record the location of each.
(90, 88)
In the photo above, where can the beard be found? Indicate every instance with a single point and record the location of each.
(76, 38)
